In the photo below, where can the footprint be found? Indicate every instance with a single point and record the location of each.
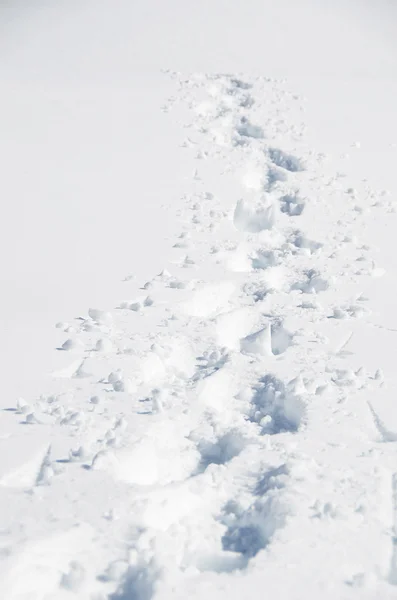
(281, 159)
(301, 242)
(222, 450)
(239, 89)
(313, 283)
(292, 204)
(138, 582)
(73, 579)
(246, 129)
(240, 84)
(274, 176)
(251, 529)
(264, 259)
(250, 526)
(275, 407)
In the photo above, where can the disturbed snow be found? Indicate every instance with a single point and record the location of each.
(217, 431)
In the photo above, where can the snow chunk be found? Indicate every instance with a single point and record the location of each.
(72, 344)
(259, 342)
(21, 460)
(100, 316)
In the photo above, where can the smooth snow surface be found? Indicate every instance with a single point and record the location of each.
(197, 310)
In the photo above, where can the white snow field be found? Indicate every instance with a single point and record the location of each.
(198, 300)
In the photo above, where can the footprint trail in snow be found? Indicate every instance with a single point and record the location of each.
(201, 431)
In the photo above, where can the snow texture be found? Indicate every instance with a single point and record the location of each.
(215, 414)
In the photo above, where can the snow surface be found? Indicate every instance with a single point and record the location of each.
(197, 307)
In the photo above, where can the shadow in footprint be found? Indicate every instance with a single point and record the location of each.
(210, 363)
(246, 540)
(273, 177)
(270, 480)
(264, 259)
(300, 242)
(138, 584)
(223, 450)
(246, 129)
(281, 159)
(239, 84)
(275, 408)
(251, 530)
(292, 205)
(312, 283)
(248, 529)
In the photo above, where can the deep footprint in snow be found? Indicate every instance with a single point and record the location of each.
(222, 450)
(277, 408)
(264, 259)
(250, 527)
(312, 283)
(239, 84)
(301, 243)
(138, 582)
(239, 89)
(286, 161)
(251, 530)
(274, 176)
(246, 130)
(292, 204)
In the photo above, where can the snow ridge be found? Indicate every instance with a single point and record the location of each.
(201, 417)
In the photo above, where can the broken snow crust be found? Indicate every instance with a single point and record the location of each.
(216, 413)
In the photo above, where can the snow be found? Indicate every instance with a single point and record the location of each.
(197, 310)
